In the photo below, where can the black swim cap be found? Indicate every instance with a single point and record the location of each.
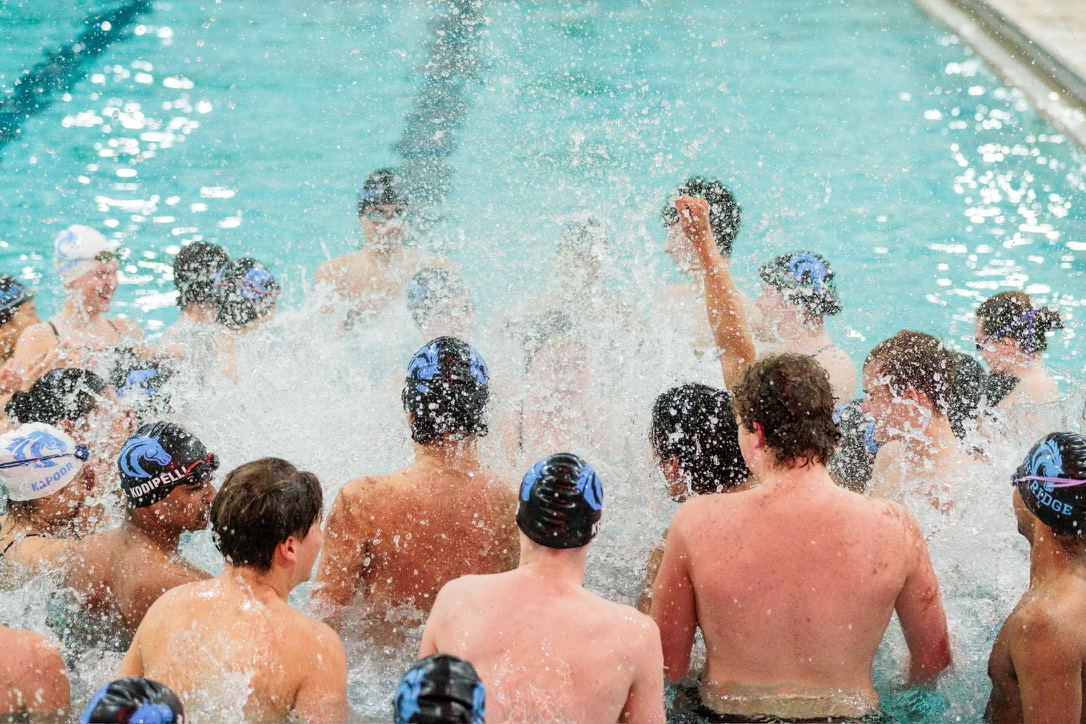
(1052, 482)
(725, 213)
(13, 294)
(134, 700)
(65, 393)
(244, 291)
(446, 391)
(382, 188)
(854, 458)
(139, 383)
(158, 458)
(805, 279)
(194, 270)
(561, 502)
(440, 689)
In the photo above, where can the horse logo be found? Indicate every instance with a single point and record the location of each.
(255, 284)
(590, 488)
(139, 450)
(34, 445)
(67, 243)
(808, 269)
(407, 694)
(1046, 462)
(423, 366)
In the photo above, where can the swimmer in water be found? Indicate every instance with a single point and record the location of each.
(441, 305)
(166, 479)
(546, 648)
(1036, 666)
(440, 689)
(394, 540)
(1011, 337)
(192, 336)
(33, 679)
(365, 282)
(18, 311)
(794, 613)
(246, 297)
(197, 637)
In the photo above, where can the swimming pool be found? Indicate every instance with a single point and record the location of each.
(861, 130)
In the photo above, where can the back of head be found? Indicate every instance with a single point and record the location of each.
(561, 502)
(966, 392)
(440, 689)
(694, 424)
(1052, 482)
(60, 394)
(806, 280)
(133, 700)
(194, 270)
(918, 361)
(13, 294)
(158, 458)
(586, 234)
(790, 396)
(259, 506)
(428, 289)
(446, 392)
(543, 330)
(244, 291)
(854, 459)
(382, 188)
(725, 213)
(1012, 314)
(139, 383)
(38, 460)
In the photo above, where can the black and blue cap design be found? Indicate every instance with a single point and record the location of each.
(158, 458)
(134, 700)
(804, 278)
(440, 689)
(1052, 482)
(445, 362)
(382, 188)
(13, 293)
(561, 502)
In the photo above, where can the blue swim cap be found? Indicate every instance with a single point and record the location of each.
(1052, 482)
(440, 689)
(133, 701)
(804, 278)
(561, 502)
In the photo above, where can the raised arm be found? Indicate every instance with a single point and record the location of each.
(920, 610)
(673, 606)
(724, 302)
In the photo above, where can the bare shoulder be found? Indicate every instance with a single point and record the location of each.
(1041, 625)
(126, 326)
(370, 490)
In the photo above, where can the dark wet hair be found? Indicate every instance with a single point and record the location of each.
(428, 289)
(1012, 314)
(790, 396)
(854, 459)
(194, 270)
(133, 699)
(966, 392)
(805, 279)
(1059, 501)
(695, 425)
(13, 294)
(244, 291)
(61, 394)
(725, 213)
(446, 392)
(382, 188)
(918, 361)
(259, 506)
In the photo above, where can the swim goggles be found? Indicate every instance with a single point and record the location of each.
(381, 216)
(13, 296)
(999, 333)
(212, 461)
(80, 452)
(1050, 483)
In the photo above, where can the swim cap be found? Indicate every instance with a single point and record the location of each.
(66, 393)
(854, 458)
(382, 188)
(12, 294)
(139, 382)
(428, 289)
(158, 458)
(725, 213)
(440, 689)
(194, 271)
(134, 700)
(75, 247)
(1052, 482)
(804, 279)
(244, 291)
(446, 391)
(37, 460)
(561, 502)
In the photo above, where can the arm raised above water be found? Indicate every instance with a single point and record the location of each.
(673, 606)
(919, 608)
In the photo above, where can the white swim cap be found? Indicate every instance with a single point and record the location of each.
(75, 247)
(37, 460)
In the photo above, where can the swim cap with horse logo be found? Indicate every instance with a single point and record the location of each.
(158, 458)
(37, 460)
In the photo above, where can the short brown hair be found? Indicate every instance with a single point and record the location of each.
(918, 361)
(1011, 314)
(260, 505)
(790, 396)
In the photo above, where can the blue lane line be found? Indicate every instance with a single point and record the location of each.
(61, 68)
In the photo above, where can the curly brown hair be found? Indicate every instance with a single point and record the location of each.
(790, 396)
(918, 361)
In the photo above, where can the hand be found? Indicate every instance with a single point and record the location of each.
(694, 222)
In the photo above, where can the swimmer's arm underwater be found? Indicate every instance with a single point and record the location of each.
(919, 608)
(724, 302)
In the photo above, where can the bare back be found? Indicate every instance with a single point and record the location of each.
(33, 680)
(368, 281)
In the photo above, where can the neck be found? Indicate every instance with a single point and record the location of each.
(158, 536)
(78, 313)
(795, 329)
(1049, 559)
(18, 523)
(452, 454)
(200, 313)
(796, 475)
(278, 582)
(1017, 365)
(561, 567)
(934, 440)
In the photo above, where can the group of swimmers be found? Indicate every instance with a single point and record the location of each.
(801, 529)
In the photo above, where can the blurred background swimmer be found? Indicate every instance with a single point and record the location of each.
(195, 271)
(134, 700)
(18, 312)
(441, 305)
(440, 689)
(246, 297)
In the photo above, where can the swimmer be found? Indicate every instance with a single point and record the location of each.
(139, 384)
(245, 298)
(33, 679)
(132, 700)
(854, 457)
(166, 476)
(197, 637)
(1011, 337)
(696, 444)
(546, 648)
(192, 336)
(441, 305)
(394, 540)
(1036, 666)
(18, 311)
(440, 689)
(794, 613)
(367, 281)
(87, 265)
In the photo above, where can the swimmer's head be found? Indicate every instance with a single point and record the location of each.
(854, 459)
(61, 394)
(586, 241)
(194, 270)
(906, 379)
(561, 502)
(446, 392)
(440, 689)
(80, 250)
(694, 429)
(14, 296)
(383, 204)
(725, 213)
(134, 700)
(803, 279)
(139, 384)
(788, 400)
(245, 292)
(1009, 322)
(1052, 483)
(38, 461)
(160, 457)
(440, 304)
(965, 394)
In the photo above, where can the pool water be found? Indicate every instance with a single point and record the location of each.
(860, 130)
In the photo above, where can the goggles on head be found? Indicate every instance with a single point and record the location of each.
(380, 216)
(1050, 483)
(981, 343)
(212, 461)
(81, 452)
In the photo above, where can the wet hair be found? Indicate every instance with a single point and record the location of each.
(694, 424)
(446, 392)
(790, 396)
(914, 360)
(428, 289)
(260, 505)
(382, 188)
(1012, 314)
(194, 270)
(966, 392)
(1059, 460)
(998, 385)
(725, 213)
(854, 459)
(13, 295)
(133, 699)
(244, 291)
(804, 279)
(61, 394)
